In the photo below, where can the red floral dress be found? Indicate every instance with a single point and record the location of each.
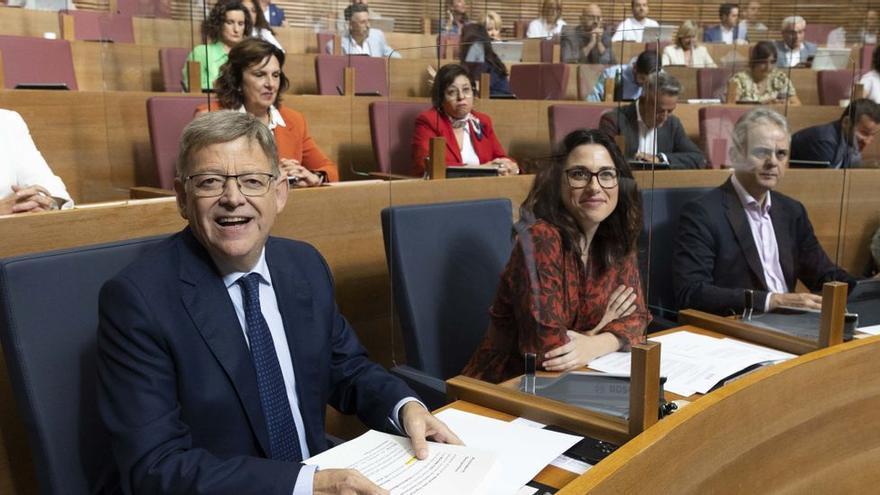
(545, 291)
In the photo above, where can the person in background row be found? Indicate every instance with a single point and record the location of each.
(632, 77)
(727, 31)
(590, 41)
(272, 13)
(633, 28)
(54, 5)
(494, 25)
(651, 133)
(763, 82)
(27, 184)
(839, 143)
(470, 137)
(261, 26)
(456, 17)
(874, 266)
(571, 290)
(749, 22)
(361, 39)
(550, 22)
(793, 50)
(252, 82)
(870, 81)
(744, 237)
(226, 25)
(476, 54)
(685, 51)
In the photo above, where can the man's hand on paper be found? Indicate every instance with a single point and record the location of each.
(420, 424)
(580, 350)
(344, 482)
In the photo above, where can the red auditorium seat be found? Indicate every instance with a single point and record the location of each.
(323, 39)
(391, 127)
(29, 60)
(867, 51)
(370, 74)
(539, 81)
(144, 8)
(547, 49)
(818, 33)
(98, 26)
(716, 127)
(566, 118)
(167, 116)
(448, 46)
(171, 62)
(712, 83)
(835, 85)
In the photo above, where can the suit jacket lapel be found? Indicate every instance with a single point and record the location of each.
(784, 242)
(207, 302)
(736, 215)
(630, 130)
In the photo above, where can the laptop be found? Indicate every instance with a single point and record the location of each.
(663, 32)
(831, 58)
(864, 300)
(508, 51)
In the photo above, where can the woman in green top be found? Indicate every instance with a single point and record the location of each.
(226, 25)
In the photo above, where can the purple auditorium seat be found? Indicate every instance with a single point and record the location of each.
(716, 127)
(171, 62)
(370, 75)
(144, 8)
(817, 33)
(547, 49)
(448, 45)
(566, 118)
(29, 60)
(392, 124)
(323, 39)
(712, 83)
(539, 81)
(835, 85)
(167, 116)
(867, 52)
(98, 26)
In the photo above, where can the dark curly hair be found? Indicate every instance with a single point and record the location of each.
(763, 51)
(617, 235)
(212, 26)
(445, 77)
(250, 52)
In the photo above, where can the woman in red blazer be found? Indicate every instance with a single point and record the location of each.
(470, 138)
(252, 81)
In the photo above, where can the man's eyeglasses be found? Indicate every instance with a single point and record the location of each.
(580, 177)
(212, 185)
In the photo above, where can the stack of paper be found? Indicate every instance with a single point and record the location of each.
(695, 363)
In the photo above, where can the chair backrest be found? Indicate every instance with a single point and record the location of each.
(445, 261)
(661, 209)
(171, 62)
(167, 116)
(716, 127)
(867, 53)
(817, 33)
(324, 38)
(370, 75)
(97, 26)
(448, 45)
(539, 81)
(547, 49)
(48, 322)
(392, 124)
(566, 118)
(520, 28)
(144, 8)
(29, 60)
(712, 82)
(835, 85)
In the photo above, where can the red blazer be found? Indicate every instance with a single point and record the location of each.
(432, 123)
(293, 141)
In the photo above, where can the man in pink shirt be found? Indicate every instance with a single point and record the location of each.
(743, 236)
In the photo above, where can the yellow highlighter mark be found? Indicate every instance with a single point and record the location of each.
(411, 460)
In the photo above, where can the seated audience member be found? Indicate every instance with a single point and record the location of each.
(870, 81)
(868, 32)
(793, 50)
(219, 350)
(456, 17)
(633, 28)
(272, 13)
(253, 82)
(590, 41)
(470, 138)
(686, 51)
(53, 5)
(550, 23)
(346, 12)
(476, 53)
(571, 290)
(27, 184)
(744, 236)
(261, 27)
(632, 77)
(494, 25)
(749, 22)
(839, 143)
(651, 133)
(874, 269)
(727, 31)
(763, 82)
(361, 39)
(226, 25)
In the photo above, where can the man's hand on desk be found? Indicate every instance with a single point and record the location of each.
(420, 424)
(795, 300)
(344, 481)
(580, 350)
(27, 199)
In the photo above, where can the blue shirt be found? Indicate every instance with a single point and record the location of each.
(631, 89)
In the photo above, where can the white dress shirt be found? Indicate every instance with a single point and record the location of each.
(647, 137)
(633, 30)
(727, 35)
(538, 29)
(266, 35)
(373, 45)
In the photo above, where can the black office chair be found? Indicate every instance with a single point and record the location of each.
(445, 261)
(48, 328)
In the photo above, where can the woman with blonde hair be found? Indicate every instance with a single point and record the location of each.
(685, 51)
(493, 25)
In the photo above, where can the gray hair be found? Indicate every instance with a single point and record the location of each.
(793, 20)
(223, 126)
(757, 116)
(662, 83)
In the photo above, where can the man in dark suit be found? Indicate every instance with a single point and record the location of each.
(651, 133)
(840, 143)
(273, 13)
(745, 237)
(219, 351)
(727, 31)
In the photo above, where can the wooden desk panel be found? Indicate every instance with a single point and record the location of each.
(861, 218)
(24, 22)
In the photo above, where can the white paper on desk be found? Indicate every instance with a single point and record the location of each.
(522, 452)
(870, 330)
(388, 461)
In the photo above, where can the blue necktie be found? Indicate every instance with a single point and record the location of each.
(283, 439)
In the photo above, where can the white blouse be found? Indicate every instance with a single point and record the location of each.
(21, 163)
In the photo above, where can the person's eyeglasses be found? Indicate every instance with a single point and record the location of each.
(212, 185)
(456, 92)
(580, 177)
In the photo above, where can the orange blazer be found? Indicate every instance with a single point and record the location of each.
(432, 123)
